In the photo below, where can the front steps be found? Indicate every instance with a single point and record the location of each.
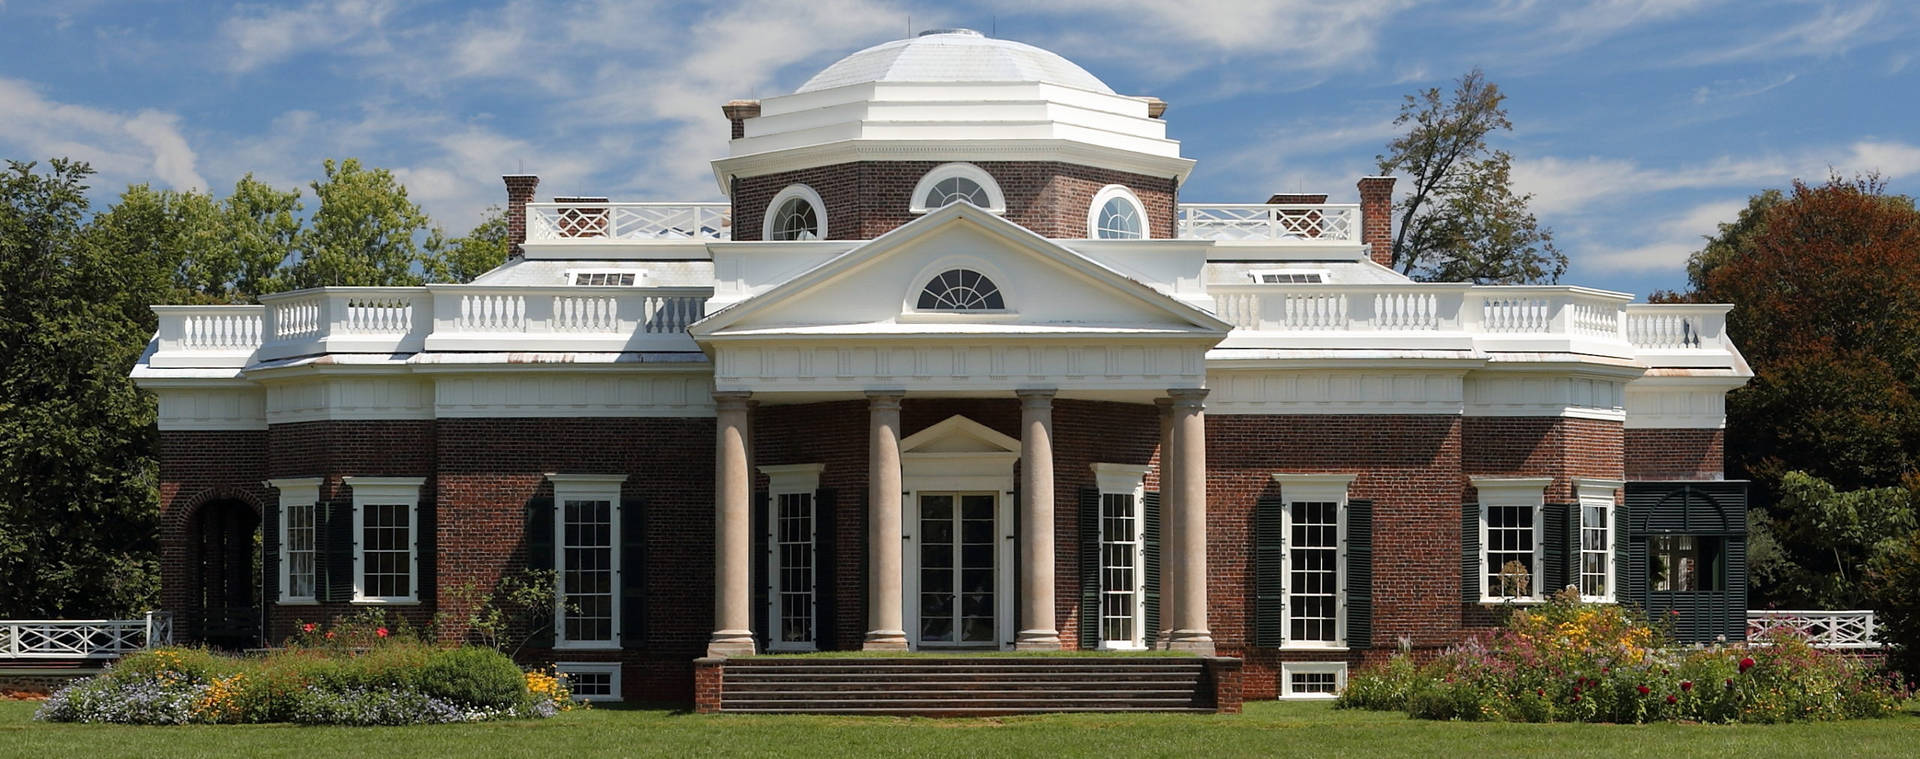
(963, 686)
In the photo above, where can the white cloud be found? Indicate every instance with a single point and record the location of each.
(1677, 237)
(277, 33)
(1561, 186)
(1834, 30)
(121, 148)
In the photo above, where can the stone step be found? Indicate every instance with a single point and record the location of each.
(923, 704)
(898, 670)
(967, 662)
(957, 676)
(1185, 694)
(936, 685)
(914, 711)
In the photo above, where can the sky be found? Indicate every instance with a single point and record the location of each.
(1638, 124)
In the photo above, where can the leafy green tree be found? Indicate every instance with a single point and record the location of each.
(366, 232)
(1893, 586)
(478, 252)
(1812, 548)
(1460, 219)
(78, 511)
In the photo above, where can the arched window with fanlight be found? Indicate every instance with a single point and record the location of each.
(1116, 214)
(960, 290)
(951, 183)
(797, 213)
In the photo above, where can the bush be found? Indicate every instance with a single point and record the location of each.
(1568, 661)
(477, 676)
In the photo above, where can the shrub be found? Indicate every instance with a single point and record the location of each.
(478, 676)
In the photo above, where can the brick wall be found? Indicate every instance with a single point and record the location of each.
(196, 468)
(867, 199)
(1676, 454)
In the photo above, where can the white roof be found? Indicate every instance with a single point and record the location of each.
(954, 55)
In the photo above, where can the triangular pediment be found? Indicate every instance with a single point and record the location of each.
(1043, 288)
(958, 434)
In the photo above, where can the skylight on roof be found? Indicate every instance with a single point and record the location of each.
(602, 278)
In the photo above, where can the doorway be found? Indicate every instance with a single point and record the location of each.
(226, 549)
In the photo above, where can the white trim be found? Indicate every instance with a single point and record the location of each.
(585, 487)
(386, 491)
(988, 468)
(594, 667)
(1513, 491)
(1289, 668)
(790, 192)
(1108, 193)
(1597, 492)
(917, 203)
(298, 491)
(790, 479)
(1128, 480)
(1314, 488)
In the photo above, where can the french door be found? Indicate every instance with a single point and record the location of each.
(958, 602)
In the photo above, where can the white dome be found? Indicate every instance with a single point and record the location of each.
(954, 55)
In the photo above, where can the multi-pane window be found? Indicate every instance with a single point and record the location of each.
(796, 220)
(793, 522)
(961, 290)
(1313, 573)
(955, 189)
(1688, 563)
(587, 570)
(604, 278)
(1596, 551)
(297, 544)
(1309, 683)
(1119, 220)
(591, 681)
(1288, 277)
(1119, 570)
(1312, 680)
(1511, 549)
(386, 551)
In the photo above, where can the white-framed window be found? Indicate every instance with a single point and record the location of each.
(951, 183)
(791, 568)
(586, 560)
(796, 213)
(386, 535)
(591, 680)
(1597, 526)
(602, 278)
(1289, 276)
(1314, 564)
(1116, 214)
(1123, 566)
(1511, 538)
(299, 512)
(960, 290)
(1312, 680)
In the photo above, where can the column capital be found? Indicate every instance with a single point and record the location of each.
(886, 400)
(731, 399)
(1036, 397)
(1187, 397)
(1164, 404)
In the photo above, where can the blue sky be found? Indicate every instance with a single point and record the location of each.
(1638, 124)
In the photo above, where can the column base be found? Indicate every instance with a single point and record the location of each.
(1036, 640)
(1198, 642)
(885, 640)
(731, 643)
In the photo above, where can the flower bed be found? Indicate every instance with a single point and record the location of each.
(1567, 661)
(347, 676)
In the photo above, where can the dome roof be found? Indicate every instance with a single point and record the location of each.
(954, 55)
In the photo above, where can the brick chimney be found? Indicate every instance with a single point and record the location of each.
(1292, 198)
(738, 111)
(519, 193)
(1156, 108)
(1376, 218)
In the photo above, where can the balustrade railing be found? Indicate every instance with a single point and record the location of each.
(83, 638)
(1330, 222)
(591, 222)
(1823, 629)
(1676, 326)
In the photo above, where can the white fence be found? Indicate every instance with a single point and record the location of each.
(590, 222)
(1824, 629)
(83, 638)
(1319, 222)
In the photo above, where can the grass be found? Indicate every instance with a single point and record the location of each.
(1267, 729)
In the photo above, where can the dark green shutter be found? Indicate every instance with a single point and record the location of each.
(1470, 553)
(1630, 554)
(1269, 565)
(1557, 522)
(1089, 533)
(761, 549)
(539, 547)
(426, 550)
(1359, 574)
(1150, 553)
(337, 541)
(633, 573)
(826, 571)
(270, 557)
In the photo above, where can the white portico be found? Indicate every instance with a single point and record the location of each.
(960, 304)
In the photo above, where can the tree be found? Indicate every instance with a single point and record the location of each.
(1460, 219)
(1813, 547)
(480, 251)
(366, 231)
(1893, 585)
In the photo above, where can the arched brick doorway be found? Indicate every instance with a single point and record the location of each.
(225, 559)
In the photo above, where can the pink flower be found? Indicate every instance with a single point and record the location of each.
(330, 636)
(1673, 612)
(1686, 685)
(380, 631)
(308, 627)
(1746, 664)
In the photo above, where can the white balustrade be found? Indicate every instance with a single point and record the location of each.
(599, 222)
(1324, 223)
(1516, 314)
(492, 312)
(378, 316)
(1823, 629)
(1675, 326)
(83, 638)
(582, 314)
(1406, 311)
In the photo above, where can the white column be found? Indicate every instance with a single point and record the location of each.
(733, 519)
(1169, 533)
(1037, 627)
(884, 626)
(1186, 548)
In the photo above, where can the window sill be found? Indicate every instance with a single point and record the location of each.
(1308, 697)
(386, 601)
(1304, 648)
(591, 645)
(1512, 601)
(298, 602)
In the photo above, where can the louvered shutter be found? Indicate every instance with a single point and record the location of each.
(539, 548)
(761, 552)
(339, 546)
(270, 555)
(1150, 554)
(1470, 563)
(1089, 533)
(1557, 522)
(426, 551)
(633, 573)
(826, 571)
(1630, 546)
(1359, 574)
(1269, 561)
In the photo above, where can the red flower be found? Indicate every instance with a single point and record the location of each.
(330, 637)
(1540, 692)
(1673, 612)
(1644, 690)
(1576, 697)
(1671, 699)
(308, 627)
(380, 631)
(1746, 664)
(1686, 685)
(1729, 683)
(1605, 670)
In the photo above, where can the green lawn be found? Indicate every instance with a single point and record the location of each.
(1267, 729)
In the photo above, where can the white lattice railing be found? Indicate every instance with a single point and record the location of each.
(1329, 222)
(83, 638)
(588, 222)
(1824, 629)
